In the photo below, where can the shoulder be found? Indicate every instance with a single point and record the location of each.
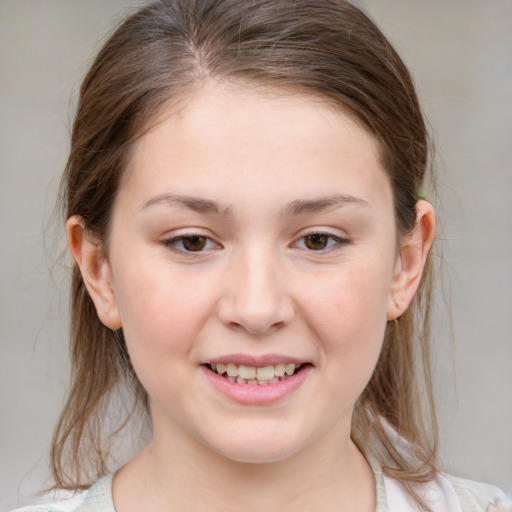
(447, 492)
(96, 499)
(444, 493)
(479, 496)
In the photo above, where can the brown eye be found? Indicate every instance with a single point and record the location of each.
(321, 242)
(194, 243)
(316, 242)
(191, 243)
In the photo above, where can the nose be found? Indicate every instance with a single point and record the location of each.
(255, 295)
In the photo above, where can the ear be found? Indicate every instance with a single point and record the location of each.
(95, 269)
(411, 260)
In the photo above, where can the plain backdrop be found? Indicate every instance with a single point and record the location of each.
(460, 53)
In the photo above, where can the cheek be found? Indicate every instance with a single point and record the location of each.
(163, 316)
(349, 321)
(162, 313)
(351, 299)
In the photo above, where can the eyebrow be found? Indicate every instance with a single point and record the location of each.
(197, 204)
(296, 207)
(302, 206)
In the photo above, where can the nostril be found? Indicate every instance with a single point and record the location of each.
(255, 305)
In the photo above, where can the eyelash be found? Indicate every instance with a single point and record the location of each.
(171, 243)
(333, 240)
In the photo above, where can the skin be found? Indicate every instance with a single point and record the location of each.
(256, 288)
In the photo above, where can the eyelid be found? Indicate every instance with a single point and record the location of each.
(339, 239)
(169, 242)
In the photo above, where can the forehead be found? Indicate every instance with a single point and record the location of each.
(275, 140)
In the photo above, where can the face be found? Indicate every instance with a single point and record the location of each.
(253, 237)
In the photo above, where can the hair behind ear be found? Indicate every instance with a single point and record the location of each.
(401, 393)
(99, 363)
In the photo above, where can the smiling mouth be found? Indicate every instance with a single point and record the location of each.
(253, 376)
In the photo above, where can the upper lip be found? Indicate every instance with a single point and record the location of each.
(256, 361)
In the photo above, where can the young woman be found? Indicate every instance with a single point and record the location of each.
(252, 268)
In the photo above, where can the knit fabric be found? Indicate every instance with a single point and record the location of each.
(456, 493)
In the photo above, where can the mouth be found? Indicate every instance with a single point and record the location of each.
(256, 376)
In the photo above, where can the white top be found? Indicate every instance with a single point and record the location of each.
(445, 494)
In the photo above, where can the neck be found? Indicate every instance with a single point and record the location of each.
(182, 474)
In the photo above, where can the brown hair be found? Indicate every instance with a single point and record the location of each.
(328, 48)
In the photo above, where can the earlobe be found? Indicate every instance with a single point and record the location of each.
(411, 262)
(95, 269)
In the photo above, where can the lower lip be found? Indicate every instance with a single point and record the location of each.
(256, 394)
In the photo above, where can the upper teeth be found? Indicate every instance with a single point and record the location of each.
(251, 372)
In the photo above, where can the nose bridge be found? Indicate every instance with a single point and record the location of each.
(256, 296)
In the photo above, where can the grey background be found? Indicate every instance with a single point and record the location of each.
(460, 53)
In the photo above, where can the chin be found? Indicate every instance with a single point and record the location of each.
(259, 448)
(255, 455)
